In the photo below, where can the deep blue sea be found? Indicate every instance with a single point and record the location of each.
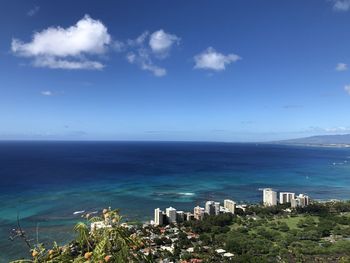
(46, 182)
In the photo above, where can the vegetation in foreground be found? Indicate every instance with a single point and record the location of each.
(319, 232)
(114, 243)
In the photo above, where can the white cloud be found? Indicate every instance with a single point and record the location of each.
(139, 41)
(131, 57)
(321, 130)
(157, 71)
(57, 47)
(54, 63)
(147, 48)
(47, 93)
(33, 11)
(213, 60)
(341, 67)
(119, 46)
(141, 38)
(123, 46)
(142, 58)
(337, 129)
(347, 89)
(341, 5)
(160, 41)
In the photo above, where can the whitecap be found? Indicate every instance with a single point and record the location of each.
(78, 212)
(187, 194)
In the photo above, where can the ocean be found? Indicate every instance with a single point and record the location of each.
(44, 183)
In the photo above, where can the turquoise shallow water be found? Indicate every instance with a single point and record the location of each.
(45, 182)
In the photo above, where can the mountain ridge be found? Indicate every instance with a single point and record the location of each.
(326, 140)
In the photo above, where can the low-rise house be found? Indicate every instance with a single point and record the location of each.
(168, 248)
(220, 251)
(228, 255)
(243, 207)
(190, 250)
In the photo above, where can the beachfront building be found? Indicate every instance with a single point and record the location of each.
(305, 199)
(224, 210)
(210, 207)
(269, 197)
(171, 215)
(158, 217)
(180, 216)
(189, 216)
(301, 200)
(198, 212)
(242, 207)
(217, 208)
(286, 197)
(230, 205)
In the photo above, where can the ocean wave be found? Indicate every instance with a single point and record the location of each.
(173, 194)
(78, 212)
(340, 163)
(187, 194)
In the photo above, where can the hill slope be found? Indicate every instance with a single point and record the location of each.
(326, 140)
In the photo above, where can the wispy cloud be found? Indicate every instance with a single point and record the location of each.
(247, 122)
(33, 11)
(118, 46)
(341, 67)
(292, 106)
(325, 130)
(347, 88)
(210, 59)
(46, 93)
(339, 129)
(157, 71)
(341, 5)
(139, 41)
(60, 48)
(47, 135)
(142, 58)
(55, 63)
(147, 48)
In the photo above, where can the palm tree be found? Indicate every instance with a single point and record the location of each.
(110, 243)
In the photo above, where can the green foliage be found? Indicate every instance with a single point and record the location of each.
(268, 234)
(112, 243)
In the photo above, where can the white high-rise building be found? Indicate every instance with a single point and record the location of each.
(180, 216)
(158, 217)
(217, 208)
(198, 212)
(301, 200)
(230, 205)
(286, 197)
(294, 202)
(189, 216)
(269, 197)
(171, 214)
(210, 207)
(305, 198)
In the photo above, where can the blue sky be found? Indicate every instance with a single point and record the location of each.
(239, 70)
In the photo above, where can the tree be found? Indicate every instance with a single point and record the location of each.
(112, 243)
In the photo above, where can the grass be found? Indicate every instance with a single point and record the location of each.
(293, 221)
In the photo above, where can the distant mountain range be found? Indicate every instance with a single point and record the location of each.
(322, 140)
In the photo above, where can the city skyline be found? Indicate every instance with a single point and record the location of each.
(182, 71)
